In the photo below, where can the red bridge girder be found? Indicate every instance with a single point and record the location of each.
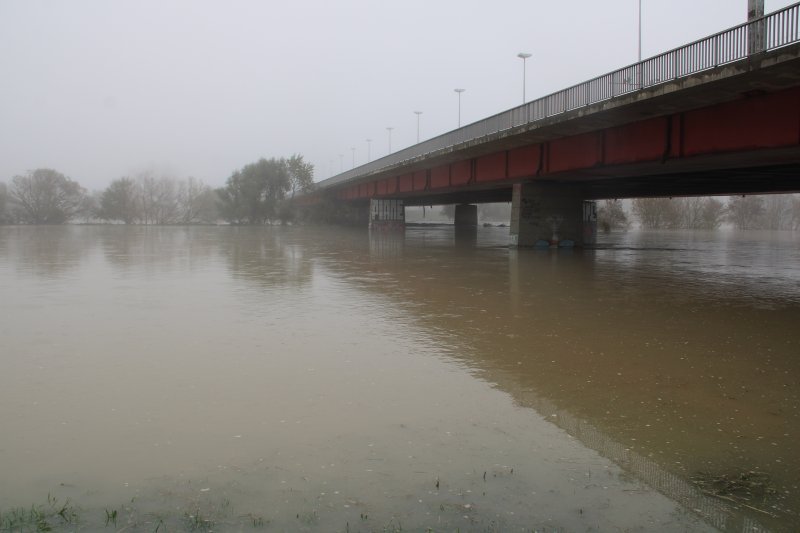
(759, 130)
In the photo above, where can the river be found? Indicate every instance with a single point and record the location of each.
(322, 379)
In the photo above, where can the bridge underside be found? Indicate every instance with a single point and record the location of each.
(711, 182)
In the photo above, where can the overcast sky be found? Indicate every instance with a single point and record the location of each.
(103, 89)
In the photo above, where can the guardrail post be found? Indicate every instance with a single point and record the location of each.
(756, 37)
(675, 65)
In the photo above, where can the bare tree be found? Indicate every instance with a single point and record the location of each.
(656, 213)
(158, 199)
(196, 202)
(5, 205)
(777, 212)
(745, 212)
(679, 213)
(699, 212)
(689, 212)
(90, 206)
(796, 212)
(712, 215)
(166, 206)
(612, 215)
(47, 197)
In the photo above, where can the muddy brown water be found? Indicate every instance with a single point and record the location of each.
(327, 379)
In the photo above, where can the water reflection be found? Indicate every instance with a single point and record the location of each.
(386, 245)
(266, 257)
(749, 268)
(155, 249)
(684, 361)
(49, 252)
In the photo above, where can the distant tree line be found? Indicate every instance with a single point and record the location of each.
(150, 199)
(253, 195)
(256, 194)
(679, 213)
(771, 212)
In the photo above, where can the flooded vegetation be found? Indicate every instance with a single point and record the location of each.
(310, 379)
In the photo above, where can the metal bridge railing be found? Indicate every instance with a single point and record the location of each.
(772, 31)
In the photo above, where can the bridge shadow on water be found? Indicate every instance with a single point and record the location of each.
(673, 359)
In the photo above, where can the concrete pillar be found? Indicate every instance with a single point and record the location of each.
(466, 215)
(756, 36)
(589, 222)
(551, 215)
(386, 214)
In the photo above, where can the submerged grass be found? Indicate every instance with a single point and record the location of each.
(55, 515)
(201, 513)
(45, 517)
(197, 522)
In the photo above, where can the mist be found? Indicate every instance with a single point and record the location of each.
(100, 90)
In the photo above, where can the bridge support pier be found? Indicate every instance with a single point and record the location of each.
(386, 214)
(551, 215)
(465, 223)
(466, 216)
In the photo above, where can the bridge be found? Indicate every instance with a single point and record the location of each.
(717, 116)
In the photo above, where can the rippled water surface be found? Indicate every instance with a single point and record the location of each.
(324, 379)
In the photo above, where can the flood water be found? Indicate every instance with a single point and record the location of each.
(310, 379)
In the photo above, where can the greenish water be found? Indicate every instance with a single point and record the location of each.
(320, 379)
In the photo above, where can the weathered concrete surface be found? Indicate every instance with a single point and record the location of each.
(386, 214)
(551, 215)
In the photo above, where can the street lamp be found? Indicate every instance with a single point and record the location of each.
(418, 113)
(524, 56)
(389, 129)
(640, 31)
(459, 91)
(368, 151)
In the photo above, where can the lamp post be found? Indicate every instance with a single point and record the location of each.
(368, 149)
(459, 91)
(418, 113)
(389, 129)
(524, 56)
(640, 31)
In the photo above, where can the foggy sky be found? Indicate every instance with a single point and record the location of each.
(103, 89)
